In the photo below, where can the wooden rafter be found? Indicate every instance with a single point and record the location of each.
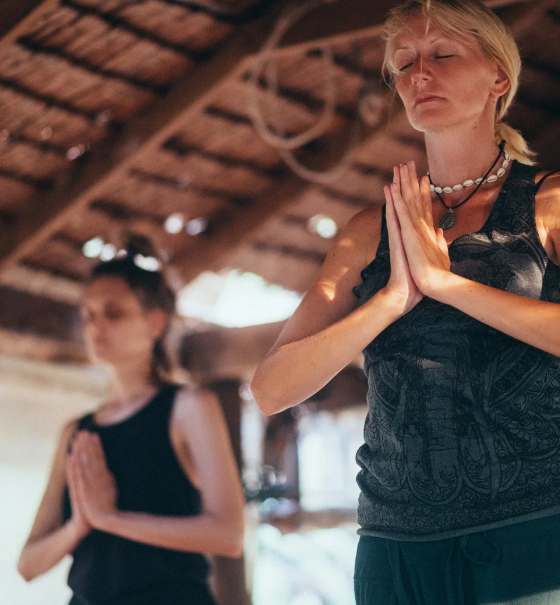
(17, 15)
(108, 162)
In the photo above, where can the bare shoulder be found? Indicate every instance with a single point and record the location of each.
(548, 196)
(195, 404)
(547, 211)
(363, 231)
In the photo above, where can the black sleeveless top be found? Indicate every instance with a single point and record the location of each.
(463, 425)
(149, 479)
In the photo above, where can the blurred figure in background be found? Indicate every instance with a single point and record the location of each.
(142, 488)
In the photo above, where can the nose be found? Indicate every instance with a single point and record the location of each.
(419, 72)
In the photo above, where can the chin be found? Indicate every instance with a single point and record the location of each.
(101, 355)
(433, 122)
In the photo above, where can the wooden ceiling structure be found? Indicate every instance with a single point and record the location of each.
(120, 112)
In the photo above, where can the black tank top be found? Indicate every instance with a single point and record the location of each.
(463, 424)
(149, 479)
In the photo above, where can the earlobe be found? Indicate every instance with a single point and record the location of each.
(502, 83)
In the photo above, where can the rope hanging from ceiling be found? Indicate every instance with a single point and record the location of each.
(277, 136)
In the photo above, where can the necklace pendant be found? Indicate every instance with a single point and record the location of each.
(447, 220)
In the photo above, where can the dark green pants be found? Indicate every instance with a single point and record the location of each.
(514, 565)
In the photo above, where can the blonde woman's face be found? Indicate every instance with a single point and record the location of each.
(444, 81)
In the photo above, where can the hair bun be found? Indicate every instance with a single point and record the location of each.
(136, 243)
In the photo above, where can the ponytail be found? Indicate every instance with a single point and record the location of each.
(516, 145)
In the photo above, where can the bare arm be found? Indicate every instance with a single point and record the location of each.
(328, 330)
(219, 528)
(531, 321)
(50, 538)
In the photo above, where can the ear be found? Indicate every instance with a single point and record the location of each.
(501, 84)
(157, 319)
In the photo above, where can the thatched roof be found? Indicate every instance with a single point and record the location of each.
(119, 111)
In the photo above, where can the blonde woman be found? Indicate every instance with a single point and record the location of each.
(141, 489)
(452, 291)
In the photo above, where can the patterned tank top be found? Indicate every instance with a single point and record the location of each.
(463, 425)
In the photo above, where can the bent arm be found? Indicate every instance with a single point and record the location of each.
(328, 330)
(219, 529)
(50, 538)
(533, 322)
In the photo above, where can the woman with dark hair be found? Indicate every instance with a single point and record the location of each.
(452, 291)
(141, 488)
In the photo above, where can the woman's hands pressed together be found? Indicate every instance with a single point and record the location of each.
(92, 486)
(419, 255)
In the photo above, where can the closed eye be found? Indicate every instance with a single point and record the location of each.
(444, 56)
(405, 67)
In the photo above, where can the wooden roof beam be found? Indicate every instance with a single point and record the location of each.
(110, 161)
(17, 15)
(107, 163)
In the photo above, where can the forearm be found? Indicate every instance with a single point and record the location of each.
(296, 371)
(41, 554)
(203, 533)
(531, 321)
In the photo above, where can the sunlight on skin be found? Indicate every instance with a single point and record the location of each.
(328, 286)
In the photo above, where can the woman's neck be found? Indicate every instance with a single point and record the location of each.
(131, 382)
(455, 157)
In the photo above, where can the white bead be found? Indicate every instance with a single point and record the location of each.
(432, 188)
(439, 190)
(457, 187)
(492, 179)
(506, 156)
(478, 181)
(505, 164)
(448, 190)
(468, 183)
(501, 172)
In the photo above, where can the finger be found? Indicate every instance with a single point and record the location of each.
(397, 176)
(401, 209)
(426, 197)
(395, 240)
(441, 241)
(391, 215)
(410, 193)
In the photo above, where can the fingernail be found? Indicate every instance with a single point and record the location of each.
(405, 169)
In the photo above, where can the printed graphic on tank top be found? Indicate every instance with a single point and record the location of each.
(463, 424)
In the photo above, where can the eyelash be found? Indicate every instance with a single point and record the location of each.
(438, 57)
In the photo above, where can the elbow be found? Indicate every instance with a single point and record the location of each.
(24, 570)
(231, 537)
(264, 397)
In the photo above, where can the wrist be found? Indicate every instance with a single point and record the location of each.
(392, 303)
(440, 284)
(78, 530)
(105, 521)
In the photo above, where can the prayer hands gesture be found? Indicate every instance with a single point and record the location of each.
(92, 487)
(419, 255)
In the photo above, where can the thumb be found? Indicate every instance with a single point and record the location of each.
(441, 240)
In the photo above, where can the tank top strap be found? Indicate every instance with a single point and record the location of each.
(514, 209)
(543, 179)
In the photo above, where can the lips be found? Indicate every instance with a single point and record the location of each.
(426, 99)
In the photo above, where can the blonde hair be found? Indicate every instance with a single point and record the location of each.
(468, 18)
